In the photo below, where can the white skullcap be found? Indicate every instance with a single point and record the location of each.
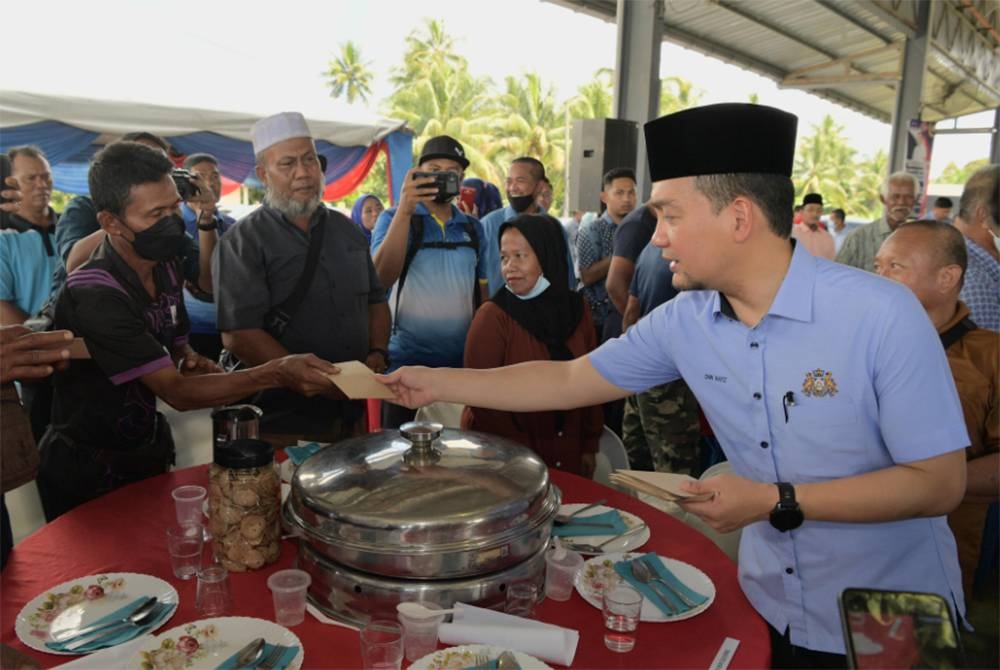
(277, 128)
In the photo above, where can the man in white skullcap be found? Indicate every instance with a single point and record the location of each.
(271, 302)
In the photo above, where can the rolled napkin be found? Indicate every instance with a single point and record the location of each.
(124, 634)
(576, 525)
(282, 662)
(475, 625)
(660, 592)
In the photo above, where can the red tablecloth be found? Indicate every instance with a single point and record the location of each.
(123, 532)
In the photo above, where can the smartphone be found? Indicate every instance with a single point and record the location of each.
(899, 629)
(467, 196)
(5, 171)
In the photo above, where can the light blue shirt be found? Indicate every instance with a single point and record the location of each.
(895, 402)
(25, 270)
(491, 226)
(436, 303)
(981, 289)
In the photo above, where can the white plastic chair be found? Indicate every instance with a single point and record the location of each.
(611, 456)
(729, 543)
(448, 414)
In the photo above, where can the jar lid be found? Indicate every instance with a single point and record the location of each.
(243, 453)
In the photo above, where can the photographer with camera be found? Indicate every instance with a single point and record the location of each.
(125, 302)
(437, 251)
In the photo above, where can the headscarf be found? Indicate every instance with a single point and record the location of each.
(359, 205)
(552, 316)
(487, 196)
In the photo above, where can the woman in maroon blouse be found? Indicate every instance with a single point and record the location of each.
(535, 316)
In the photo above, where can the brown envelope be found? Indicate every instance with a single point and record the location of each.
(357, 381)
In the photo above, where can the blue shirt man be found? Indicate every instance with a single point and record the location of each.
(434, 309)
(26, 269)
(847, 440)
(981, 289)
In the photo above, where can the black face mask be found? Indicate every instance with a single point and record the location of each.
(520, 203)
(161, 241)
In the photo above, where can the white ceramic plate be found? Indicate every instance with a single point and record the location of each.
(627, 543)
(80, 602)
(599, 571)
(207, 643)
(464, 656)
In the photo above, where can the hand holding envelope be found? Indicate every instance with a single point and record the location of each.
(357, 382)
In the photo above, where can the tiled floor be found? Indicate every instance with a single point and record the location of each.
(193, 441)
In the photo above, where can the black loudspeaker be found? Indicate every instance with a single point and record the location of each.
(597, 145)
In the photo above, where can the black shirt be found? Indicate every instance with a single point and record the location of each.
(102, 401)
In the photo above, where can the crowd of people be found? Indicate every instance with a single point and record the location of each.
(689, 324)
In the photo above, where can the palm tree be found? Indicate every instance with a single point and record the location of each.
(824, 163)
(434, 49)
(677, 93)
(864, 202)
(348, 74)
(593, 100)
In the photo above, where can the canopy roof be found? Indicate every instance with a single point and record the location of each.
(846, 51)
(71, 129)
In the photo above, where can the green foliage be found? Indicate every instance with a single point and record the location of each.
(436, 94)
(953, 174)
(59, 200)
(347, 75)
(826, 163)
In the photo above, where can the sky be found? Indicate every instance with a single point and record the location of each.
(267, 56)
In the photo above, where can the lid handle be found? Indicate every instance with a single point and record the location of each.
(422, 434)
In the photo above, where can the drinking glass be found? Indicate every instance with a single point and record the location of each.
(382, 645)
(185, 543)
(621, 610)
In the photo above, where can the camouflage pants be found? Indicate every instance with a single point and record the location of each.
(661, 430)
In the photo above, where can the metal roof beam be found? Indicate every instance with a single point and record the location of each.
(888, 11)
(741, 10)
(836, 8)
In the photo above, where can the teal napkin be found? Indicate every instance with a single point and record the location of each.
(299, 453)
(124, 634)
(657, 595)
(491, 664)
(573, 528)
(283, 660)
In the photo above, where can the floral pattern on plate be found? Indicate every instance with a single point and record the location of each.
(55, 603)
(599, 572)
(175, 654)
(464, 656)
(207, 643)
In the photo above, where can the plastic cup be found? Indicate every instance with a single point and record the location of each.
(561, 567)
(185, 542)
(188, 503)
(521, 599)
(382, 645)
(289, 590)
(622, 608)
(420, 635)
(212, 597)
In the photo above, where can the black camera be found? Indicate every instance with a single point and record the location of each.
(182, 179)
(447, 184)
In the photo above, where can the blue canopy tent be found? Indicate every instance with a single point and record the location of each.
(70, 130)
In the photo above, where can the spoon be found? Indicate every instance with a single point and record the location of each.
(639, 565)
(507, 661)
(134, 615)
(642, 572)
(155, 610)
(562, 519)
(248, 656)
(418, 611)
(598, 548)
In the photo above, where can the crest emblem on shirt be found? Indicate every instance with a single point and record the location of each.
(819, 383)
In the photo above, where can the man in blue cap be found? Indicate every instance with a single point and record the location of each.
(847, 441)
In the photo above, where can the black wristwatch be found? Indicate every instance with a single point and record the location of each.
(213, 225)
(786, 515)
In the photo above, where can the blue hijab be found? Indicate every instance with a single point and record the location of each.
(359, 204)
(487, 196)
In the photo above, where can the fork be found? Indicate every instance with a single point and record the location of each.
(483, 662)
(598, 548)
(269, 661)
